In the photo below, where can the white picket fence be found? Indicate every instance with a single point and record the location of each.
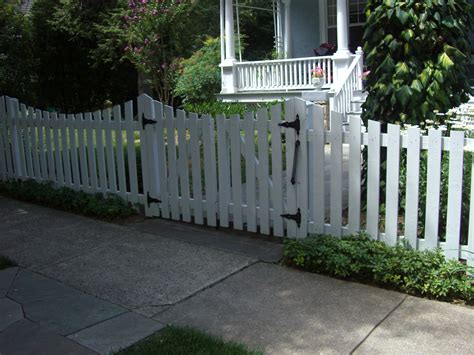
(277, 172)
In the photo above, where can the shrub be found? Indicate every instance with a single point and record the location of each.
(199, 77)
(107, 207)
(215, 107)
(359, 258)
(6, 262)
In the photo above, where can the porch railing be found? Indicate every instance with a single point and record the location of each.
(284, 74)
(343, 93)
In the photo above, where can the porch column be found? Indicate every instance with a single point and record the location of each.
(287, 40)
(229, 77)
(342, 56)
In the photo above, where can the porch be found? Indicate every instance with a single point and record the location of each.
(296, 34)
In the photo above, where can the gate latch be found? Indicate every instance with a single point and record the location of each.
(295, 124)
(151, 200)
(295, 217)
(146, 121)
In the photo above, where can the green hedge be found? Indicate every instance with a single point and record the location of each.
(107, 207)
(359, 258)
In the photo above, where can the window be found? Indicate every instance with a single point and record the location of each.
(356, 21)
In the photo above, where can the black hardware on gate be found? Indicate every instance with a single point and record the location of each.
(295, 162)
(151, 200)
(295, 124)
(295, 217)
(146, 121)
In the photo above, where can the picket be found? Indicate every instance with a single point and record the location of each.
(336, 174)
(73, 153)
(317, 173)
(277, 171)
(57, 149)
(183, 166)
(41, 146)
(131, 153)
(354, 173)
(433, 189)
(99, 136)
(223, 171)
(373, 179)
(453, 223)
(84, 173)
(109, 151)
(119, 151)
(236, 171)
(412, 186)
(162, 168)
(216, 170)
(250, 172)
(196, 168)
(91, 152)
(263, 171)
(210, 175)
(49, 146)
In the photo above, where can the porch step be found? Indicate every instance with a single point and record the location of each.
(359, 95)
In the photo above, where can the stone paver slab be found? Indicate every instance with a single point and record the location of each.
(6, 279)
(36, 236)
(25, 337)
(116, 333)
(61, 307)
(10, 312)
(144, 270)
(286, 311)
(422, 326)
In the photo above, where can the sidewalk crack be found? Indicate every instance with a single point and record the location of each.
(378, 324)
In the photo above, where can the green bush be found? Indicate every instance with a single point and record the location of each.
(107, 207)
(215, 107)
(359, 258)
(199, 77)
(6, 263)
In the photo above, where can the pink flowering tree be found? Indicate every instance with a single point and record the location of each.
(156, 34)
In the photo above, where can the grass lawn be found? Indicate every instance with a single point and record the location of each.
(186, 341)
(5, 263)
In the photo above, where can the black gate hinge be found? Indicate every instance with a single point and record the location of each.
(146, 121)
(295, 217)
(295, 124)
(151, 200)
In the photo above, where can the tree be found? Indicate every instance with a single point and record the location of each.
(71, 76)
(418, 54)
(17, 62)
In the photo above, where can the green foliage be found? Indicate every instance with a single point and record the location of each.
(17, 62)
(174, 340)
(199, 77)
(74, 73)
(424, 273)
(107, 207)
(6, 263)
(215, 107)
(418, 54)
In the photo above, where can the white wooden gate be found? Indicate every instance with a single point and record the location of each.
(248, 173)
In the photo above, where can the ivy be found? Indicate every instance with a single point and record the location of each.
(418, 54)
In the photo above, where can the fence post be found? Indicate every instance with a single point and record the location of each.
(149, 154)
(360, 69)
(13, 118)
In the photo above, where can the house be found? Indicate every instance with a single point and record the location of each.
(300, 27)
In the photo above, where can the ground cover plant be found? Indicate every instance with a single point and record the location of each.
(108, 207)
(359, 258)
(5, 263)
(186, 341)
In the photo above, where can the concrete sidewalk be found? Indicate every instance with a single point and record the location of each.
(85, 286)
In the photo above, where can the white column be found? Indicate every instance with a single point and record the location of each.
(342, 27)
(287, 39)
(222, 27)
(229, 30)
(229, 75)
(342, 57)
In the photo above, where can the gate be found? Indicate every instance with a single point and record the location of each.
(247, 173)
